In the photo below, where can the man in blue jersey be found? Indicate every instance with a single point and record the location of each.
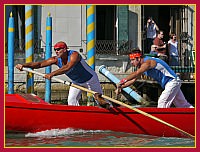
(160, 72)
(74, 66)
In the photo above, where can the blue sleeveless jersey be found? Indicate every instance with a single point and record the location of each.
(79, 73)
(161, 73)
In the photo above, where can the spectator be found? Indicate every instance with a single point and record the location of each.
(151, 29)
(173, 50)
(161, 46)
(153, 49)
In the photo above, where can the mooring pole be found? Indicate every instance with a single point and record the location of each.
(11, 36)
(48, 54)
(90, 40)
(29, 46)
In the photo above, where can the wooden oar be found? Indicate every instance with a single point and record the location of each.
(115, 101)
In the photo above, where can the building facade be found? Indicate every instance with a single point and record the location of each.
(118, 28)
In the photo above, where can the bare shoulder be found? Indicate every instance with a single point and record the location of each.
(149, 64)
(75, 56)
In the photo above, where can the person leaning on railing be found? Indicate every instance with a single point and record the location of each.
(173, 50)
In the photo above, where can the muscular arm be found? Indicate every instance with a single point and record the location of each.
(74, 59)
(36, 65)
(149, 64)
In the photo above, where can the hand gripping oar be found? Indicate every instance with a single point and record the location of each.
(115, 101)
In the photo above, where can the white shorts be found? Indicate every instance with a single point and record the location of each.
(75, 94)
(173, 94)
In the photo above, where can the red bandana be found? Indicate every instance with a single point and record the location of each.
(134, 55)
(60, 45)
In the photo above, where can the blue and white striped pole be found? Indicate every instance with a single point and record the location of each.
(48, 54)
(29, 45)
(11, 35)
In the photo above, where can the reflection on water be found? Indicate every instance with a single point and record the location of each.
(91, 138)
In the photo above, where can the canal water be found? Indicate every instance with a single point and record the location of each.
(91, 138)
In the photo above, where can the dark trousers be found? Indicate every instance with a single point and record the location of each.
(149, 43)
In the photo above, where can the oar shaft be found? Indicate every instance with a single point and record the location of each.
(61, 81)
(83, 88)
(115, 101)
(148, 115)
(41, 74)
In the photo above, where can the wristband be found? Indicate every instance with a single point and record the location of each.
(122, 81)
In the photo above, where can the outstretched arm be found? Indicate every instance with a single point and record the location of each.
(129, 80)
(136, 74)
(37, 65)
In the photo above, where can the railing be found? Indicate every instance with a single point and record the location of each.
(106, 47)
(19, 46)
(113, 47)
(102, 47)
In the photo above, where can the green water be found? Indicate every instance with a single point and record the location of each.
(81, 138)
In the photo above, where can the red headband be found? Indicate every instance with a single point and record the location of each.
(60, 45)
(134, 55)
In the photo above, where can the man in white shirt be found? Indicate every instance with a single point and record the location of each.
(173, 50)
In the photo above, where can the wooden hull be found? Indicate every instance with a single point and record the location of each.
(27, 113)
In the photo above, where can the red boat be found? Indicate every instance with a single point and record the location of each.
(29, 113)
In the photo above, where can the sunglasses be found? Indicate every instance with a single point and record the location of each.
(57, 49)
